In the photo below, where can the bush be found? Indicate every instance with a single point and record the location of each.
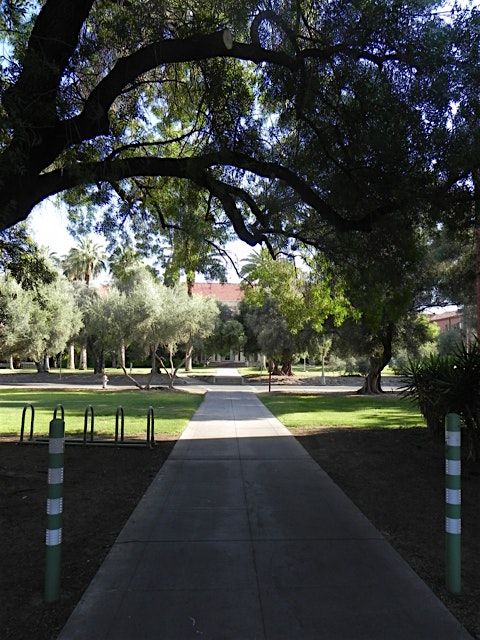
(399, 364)
(448, 384)
(449, 341)
(334, 363)
(357, 366)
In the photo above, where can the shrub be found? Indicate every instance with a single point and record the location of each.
(357, 366)
(399, 364)
(448, 384)
(449, 341)
(334, 363)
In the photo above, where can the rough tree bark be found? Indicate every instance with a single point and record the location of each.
(71, 356)
(122, 354)
(286, 369)
(83, 358)
(99, 362)
(373, 380)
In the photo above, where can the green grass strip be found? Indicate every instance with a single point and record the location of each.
(172, 410)
(312, 411)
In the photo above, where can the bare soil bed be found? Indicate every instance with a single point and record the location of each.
(396, 478)
(102, 487)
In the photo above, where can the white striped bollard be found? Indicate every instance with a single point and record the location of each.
(56, 447)
(453, 523)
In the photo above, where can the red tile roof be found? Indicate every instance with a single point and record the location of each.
(445, 315)
(227, 292)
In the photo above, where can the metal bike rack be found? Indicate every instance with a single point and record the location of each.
(32, 420)
(88, 411)
(120, 416)
(150, 428)
(89, 415)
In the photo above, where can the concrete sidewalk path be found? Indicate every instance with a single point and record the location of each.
(242, 536)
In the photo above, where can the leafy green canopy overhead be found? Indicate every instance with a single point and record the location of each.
(341, 110)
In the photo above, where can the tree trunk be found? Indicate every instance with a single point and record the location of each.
(190, 283)
(71, 356)
(274, 368)
(10, 362)
(477, 274)
(40, 364)
(122, 354)
(188, 357)
(137, 384)
(99, 365)
(287, 364)
(83, 358)
(153, 361)
(373, 380)
(287, 368)
(46, 367)
(372, 383)
(476, 185)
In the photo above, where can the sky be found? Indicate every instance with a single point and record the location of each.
(48, 225)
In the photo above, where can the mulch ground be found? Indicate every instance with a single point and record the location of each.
(102, 486)
(396, 478)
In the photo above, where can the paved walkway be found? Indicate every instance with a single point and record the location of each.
(242, 536)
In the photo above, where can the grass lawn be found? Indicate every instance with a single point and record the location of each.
(172, 410)
(313, 411)
(312, 371)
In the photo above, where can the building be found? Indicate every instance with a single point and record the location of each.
(227, 293)
(448, 320)
(231, 295)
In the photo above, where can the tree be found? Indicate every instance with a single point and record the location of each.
(23, 259)
(152, 317)
(50, 319)
(102, 100)
(273, 337)
(104, 318)
(229, 334)
(296, 304)
(85, 261)
(186, 321)
(15, 314)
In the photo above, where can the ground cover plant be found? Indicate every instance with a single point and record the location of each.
(342, 410)
(172, 410)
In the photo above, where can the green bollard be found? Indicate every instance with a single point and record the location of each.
(56, 447)
(453, 523)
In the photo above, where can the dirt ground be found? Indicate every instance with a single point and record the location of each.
(396, 478)
(102, 486)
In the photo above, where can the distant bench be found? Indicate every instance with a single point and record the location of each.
(28, 365)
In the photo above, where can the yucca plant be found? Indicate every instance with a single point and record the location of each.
(444, 384)
(424, 382)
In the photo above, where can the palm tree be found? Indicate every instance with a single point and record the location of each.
(85, 261)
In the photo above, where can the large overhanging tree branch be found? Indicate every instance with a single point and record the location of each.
(189, 168)
(36, 160)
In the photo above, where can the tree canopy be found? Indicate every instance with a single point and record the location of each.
(343, 109)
